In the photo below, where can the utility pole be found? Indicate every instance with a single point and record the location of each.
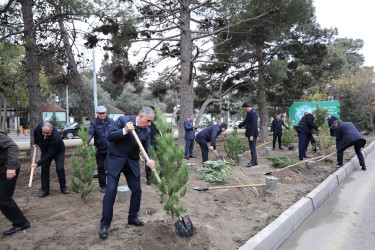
(94, 77)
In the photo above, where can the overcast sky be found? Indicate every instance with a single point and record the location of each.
(354, 19)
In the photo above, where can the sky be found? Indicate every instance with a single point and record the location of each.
(353, 19)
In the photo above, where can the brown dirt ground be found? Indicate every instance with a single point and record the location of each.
(223, 219)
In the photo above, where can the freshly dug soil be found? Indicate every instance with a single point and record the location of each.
(223, 219)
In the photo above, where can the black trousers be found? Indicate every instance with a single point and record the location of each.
(277, 135)
(134, 184)
(357, 148)
(102, 176)
(204, 149)
(303, 142)
(7, 205)
(253, 149)
(59, 161)
(189, 148)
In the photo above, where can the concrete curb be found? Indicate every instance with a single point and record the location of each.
(273, 235)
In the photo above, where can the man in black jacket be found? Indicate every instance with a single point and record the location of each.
(251, 122)
(9, 171)
(304, 131)
(277, 130)
(347, 135)
(209, 135)
(49, 140)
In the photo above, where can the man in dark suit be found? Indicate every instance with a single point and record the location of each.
(9, 171)
(209, 135)
(49, 140)
(331, 119)
(189, 137)
(123, 156)
(251, 122)
(277, 130)
(304, 128)
(99, 129)
(347, 135)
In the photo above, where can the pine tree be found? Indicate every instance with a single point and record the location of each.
(84, 165)
(169, 160)
(234, 145)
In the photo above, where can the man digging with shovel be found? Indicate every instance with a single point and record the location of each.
(123, 156)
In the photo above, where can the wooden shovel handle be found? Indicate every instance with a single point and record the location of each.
(145, 154)
(32, 169)
(295, 164)
(326, 156)
(238, 186)
(262, 144)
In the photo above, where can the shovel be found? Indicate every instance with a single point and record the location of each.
(293, 165)
(218, 157)
(31, 178)
(225, 187)
(184, 225)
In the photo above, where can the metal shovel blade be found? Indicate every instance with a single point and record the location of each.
(184, 227)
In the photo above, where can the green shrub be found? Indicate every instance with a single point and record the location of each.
(234, 145)
(215, 172)
(280, 161)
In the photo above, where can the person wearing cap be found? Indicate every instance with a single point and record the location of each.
(49, 140)
(123, 157)
(209, 135)
(99, 129)
(9, 171)
(251, 132)
(189, 137)
(347, 135)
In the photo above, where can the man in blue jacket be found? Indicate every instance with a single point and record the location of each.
(347, 135)
(49, 140)
(277, 130)
(99, 129)
(251, 122)
(123, 157)
(331, 119)
(209, 135)
(189, 137)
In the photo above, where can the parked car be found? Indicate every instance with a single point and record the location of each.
(70, 130)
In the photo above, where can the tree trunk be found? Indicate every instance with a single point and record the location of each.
(262, 102)
(186, 86)
(371, 123)
(32, 69)
(4, 124)
(1, 115)
(203, 108)
(77, 80)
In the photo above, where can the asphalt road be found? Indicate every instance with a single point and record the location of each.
(346, 220)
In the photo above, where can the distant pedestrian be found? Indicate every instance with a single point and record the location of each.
(277, 130)
(189, 137)
(347, 135)
(9, 171)
(331, 119)
(251, 122)
(49, 140)
(99, 129)
(209, 135)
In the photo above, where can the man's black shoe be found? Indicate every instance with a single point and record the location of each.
(363, 168)
(103, 232)
(44, 194)
(148, 182)
(249, 165)
(136, 222)
(339, 165)
(193, 157)
(16, 229)
(186, 158)
(256, 163)
(307, 156)
(103, 189)
(64, 190)
(281, 148)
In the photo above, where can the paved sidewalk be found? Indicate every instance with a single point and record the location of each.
(346, 220)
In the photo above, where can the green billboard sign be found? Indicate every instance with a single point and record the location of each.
(298, 108)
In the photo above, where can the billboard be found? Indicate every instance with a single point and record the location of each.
(298, 108)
